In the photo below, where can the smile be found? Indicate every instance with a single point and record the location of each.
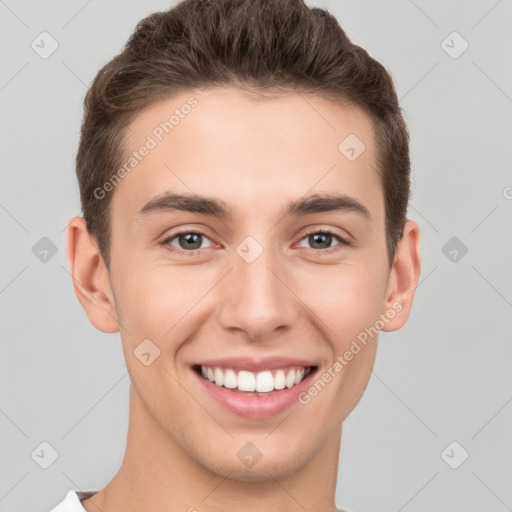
(254, 389)
(254, 383)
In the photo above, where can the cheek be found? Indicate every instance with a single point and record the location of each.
(346, 299)
(154, 299)
(153, 309)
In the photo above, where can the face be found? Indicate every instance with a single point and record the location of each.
(248, 263)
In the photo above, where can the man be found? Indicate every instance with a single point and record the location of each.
(244, 178)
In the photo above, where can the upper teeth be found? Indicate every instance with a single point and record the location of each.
(262, 382)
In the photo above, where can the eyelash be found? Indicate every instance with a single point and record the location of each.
(193, 252)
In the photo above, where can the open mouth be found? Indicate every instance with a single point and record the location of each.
(261, 383)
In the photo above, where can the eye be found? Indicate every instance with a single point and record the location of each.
(191, 242)
(320, 241)
(187, 242)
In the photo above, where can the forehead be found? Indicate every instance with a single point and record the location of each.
(254, 151)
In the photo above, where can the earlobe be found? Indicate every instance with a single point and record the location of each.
(403, 278)
(90, 277)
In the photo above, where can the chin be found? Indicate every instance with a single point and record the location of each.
(262, 471)
(267, 473)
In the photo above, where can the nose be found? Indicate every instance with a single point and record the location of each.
(257, 298)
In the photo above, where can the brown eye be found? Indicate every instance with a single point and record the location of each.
(190, 241)
(186, 241)
(322, 241)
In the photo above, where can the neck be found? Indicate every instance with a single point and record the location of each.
(157, 474)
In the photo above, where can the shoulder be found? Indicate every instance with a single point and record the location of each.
(71, 502)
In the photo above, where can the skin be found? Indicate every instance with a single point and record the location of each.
(256, 154)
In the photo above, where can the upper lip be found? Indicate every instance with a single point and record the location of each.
(256, 364)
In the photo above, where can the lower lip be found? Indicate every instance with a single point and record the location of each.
(254, 406)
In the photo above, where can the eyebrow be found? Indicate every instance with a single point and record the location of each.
(316, 203)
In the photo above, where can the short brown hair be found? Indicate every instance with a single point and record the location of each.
(260, 44)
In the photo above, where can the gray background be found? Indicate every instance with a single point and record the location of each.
(444, 377)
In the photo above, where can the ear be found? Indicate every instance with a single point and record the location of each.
(91, 280)
(403, 277)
